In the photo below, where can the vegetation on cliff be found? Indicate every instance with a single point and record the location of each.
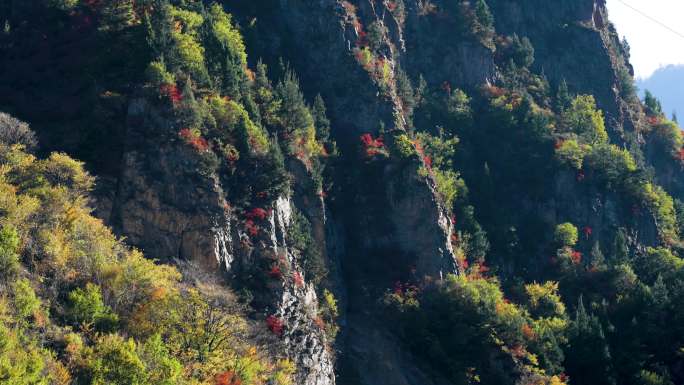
(559, 200)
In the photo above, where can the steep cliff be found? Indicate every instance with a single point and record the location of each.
(392, 158)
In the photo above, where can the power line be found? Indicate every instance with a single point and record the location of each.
(653, 19)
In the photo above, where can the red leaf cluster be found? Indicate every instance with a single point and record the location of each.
(197, 142)
(275, 325)
(372, 147)
(494, 91)
(252, 228)
(518, 351)
(405, 288)
(462, 263)
(171, 92)
(275, 272)
(298, 279)
(576, 257)
(653, 120)
(446, 87)
(587, 231)
(257, 213)
(680, 154)
(227, 378)
(527, 332)
(362, 41)
(318, 321)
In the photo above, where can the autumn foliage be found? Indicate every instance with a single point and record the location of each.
(251, 228)
(227, 378)
(275, 325)
(275, 272)
(576, 257)
(298, 279)
(171, 92)
(372, 147)
(257, 213)
(194, 140)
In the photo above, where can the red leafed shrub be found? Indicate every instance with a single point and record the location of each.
(362, 41)
(518, 351)
(171, 91)
(318, 321)
(275, 272)
(197, 142)
(587, 231)
(298, 279)
(257, 213)
(428, 161)
(372, 147)
(446, 87)
(559, 144)
(402, 289)
(261, 194)
(680, 154)
(494, 91)
(275, 325)
(653, 120)
(462, 263)
(227, 378)
(576, 257)
(528, 332)
(252, 228)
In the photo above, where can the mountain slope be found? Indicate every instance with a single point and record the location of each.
(466, 191)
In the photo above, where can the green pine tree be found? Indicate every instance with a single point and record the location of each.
(320, 119)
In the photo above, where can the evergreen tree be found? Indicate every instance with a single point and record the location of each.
(484, 15)
(588, 357)
(226, 59)
(563, 98)
(653, 106)
(116, 15)
(620, 247)
(598, 261)
(189, 113)
(265, 98)
(320, 119)
(294, 114)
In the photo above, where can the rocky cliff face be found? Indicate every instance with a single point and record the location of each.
(170, 211)
(560, 30)
(384, 220)
(166, 208)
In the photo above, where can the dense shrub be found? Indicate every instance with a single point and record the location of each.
(566, 235)
(583, 119)
(14, 131)
(107, 291)
(467, 329)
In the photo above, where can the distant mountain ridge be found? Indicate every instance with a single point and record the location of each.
(665, 84)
